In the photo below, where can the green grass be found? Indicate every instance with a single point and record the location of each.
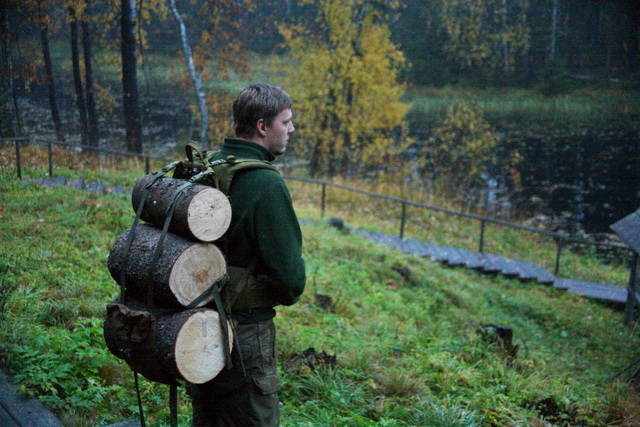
(587, 105)
(408, 352)
(376, 214)
(571, 103)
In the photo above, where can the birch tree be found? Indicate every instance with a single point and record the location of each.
(132, 120)
(194, 75)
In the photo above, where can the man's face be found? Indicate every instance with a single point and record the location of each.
(277, 132)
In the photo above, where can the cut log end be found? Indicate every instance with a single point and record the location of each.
(199, 350)
(209, 215)
(195, 270)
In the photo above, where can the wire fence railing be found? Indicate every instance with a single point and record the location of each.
(561, 240)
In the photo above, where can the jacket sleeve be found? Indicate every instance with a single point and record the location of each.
(279, 243)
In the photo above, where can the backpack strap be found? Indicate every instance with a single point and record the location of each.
(225, 169)
(193, 147)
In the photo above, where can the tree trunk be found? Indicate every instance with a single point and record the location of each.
(632, 35)
(196, 78)
(184, 270)
(554, 31)
(186, 344)
(506, 68)
(51, 84)
(11, 92)
(93, 135)
(132, 121)
(201, 212)
(77, 77)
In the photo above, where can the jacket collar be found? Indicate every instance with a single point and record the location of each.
(241, 148)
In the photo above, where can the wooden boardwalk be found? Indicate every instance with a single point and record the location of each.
(496, 264)
(19, 411)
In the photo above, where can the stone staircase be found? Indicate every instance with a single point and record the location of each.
(497, 264)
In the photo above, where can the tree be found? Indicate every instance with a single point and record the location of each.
(10, 104)
(81, 102)
(87, 47)
(485, 36)
(196, 78)
(132, 120)
(554, 30)
(460, 150)
(345, 86)
(40, 17)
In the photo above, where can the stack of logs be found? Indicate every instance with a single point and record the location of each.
(187, 341)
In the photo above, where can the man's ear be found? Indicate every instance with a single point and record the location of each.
(261, 128)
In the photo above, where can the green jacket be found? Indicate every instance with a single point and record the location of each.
(264, 226)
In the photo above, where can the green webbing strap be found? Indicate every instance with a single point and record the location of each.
(156, 255)
(140, 411)
(214, 292)
(173, 404)
(192, 146)
(225, 169)
(136, 221)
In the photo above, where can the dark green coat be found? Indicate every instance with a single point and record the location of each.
(264, 225)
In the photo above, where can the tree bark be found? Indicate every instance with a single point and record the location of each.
(51, 84)
(186, 344)
(554, 31)
(93, 135)
(77, 77)
(506, 67)
(7, 54)
(196, 78)
(132, 120)
(184, 270)
(201, 212)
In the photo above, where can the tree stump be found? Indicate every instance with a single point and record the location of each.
(202, 213)
(185, 269)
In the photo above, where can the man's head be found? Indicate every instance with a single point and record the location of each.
(262, 113)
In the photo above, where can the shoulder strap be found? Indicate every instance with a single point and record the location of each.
(194, 151)
(225, 169)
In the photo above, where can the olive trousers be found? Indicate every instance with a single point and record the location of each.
(247, 393)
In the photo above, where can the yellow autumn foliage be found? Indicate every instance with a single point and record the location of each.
(485, 35)
(345, 88)
(460, 149)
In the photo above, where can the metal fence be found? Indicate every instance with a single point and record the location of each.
(560, 240)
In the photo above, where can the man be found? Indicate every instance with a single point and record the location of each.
(265, 242)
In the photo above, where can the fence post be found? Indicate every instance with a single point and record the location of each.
(560, 244)
(631, 291)
(50, 157)
(324, 197)
(147, 166)
(481, 244)
(403, 219)
(18, 163)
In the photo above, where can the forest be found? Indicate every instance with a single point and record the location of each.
(517, 107)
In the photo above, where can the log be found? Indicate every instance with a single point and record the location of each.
(201, 212)
(184, 345)
(184, 270)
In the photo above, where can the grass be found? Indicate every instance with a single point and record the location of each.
(408, 352)
(571, 102)
(363, 211)
(586, 105)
